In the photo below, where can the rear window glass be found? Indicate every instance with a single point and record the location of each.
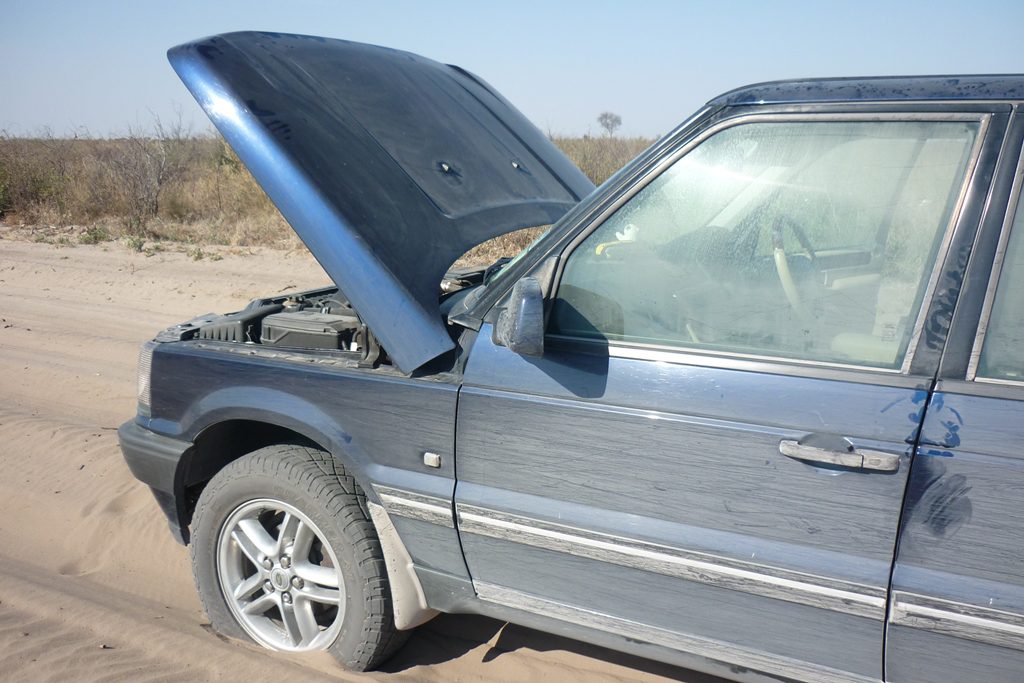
(1002, 356)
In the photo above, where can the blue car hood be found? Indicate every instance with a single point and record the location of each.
(388, 165)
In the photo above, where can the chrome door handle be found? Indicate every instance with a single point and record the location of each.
(857, 458)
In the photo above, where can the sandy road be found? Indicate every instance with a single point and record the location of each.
(90, 579)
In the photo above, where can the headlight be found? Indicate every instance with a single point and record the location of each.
(145, 368)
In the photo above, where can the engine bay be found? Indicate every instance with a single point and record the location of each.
(320, 319)
(313, 320)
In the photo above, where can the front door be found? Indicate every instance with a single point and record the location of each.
(712, 452)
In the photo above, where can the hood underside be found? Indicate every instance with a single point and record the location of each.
(388, 165)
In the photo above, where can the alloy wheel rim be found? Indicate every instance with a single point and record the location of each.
(280, 577)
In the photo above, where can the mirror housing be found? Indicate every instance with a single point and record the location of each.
(520, 325)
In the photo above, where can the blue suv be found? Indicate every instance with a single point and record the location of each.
(749, 407)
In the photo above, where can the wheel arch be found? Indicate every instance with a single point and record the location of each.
(222, 441)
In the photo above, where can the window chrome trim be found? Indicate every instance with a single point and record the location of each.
(747, 577)
(982, 118)
(772, 365)
(776, 666)
(990, 388)
(417, 506)
(958, 619)
(640, 351)
(992, 287)
(997, 380)
(940, 257)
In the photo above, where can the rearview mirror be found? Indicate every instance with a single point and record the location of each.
(520, 326)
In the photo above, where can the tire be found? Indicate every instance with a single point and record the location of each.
(286, 530)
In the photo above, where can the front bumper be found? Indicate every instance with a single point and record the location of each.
(154, 460)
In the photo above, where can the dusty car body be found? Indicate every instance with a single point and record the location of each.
(749, 407)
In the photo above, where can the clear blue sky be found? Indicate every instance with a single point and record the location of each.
(100, 65)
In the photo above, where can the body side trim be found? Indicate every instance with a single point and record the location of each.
(806, 589)
(727, 653)
(416, 506)
(961, 620)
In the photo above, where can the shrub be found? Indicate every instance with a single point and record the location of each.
(94, 234)
(134, 242)
(172, 185)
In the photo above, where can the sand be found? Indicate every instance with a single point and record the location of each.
(91, 582)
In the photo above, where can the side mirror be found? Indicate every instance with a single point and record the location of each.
(520, 326)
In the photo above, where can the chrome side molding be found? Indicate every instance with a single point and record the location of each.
(748, 577)
(726, 654)
(971, 622)
(416, 506)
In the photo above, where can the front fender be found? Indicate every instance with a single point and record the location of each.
(277, 408)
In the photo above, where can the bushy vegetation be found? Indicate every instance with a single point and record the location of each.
(600, 157)
(170, 185)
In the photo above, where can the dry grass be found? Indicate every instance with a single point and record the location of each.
(600, 157)
(177, 187)
(506, 245)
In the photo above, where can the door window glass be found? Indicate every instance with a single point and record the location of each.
(809, 240)
(1002, 355)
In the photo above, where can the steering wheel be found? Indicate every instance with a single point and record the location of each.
(782, 263)
(664, 285)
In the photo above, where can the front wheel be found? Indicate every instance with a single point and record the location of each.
(284, 554)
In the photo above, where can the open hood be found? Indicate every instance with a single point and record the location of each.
(388, 165)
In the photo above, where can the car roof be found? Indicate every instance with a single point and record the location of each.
(878, 89)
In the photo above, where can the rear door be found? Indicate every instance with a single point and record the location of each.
(711, 455)
(957, 608)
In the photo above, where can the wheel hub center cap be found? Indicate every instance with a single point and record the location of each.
(280, 579)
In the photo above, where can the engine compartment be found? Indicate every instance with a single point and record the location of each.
(320, 319)
(313, 320)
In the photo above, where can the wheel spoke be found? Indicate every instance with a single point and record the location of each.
(304, 538)
(248, 586)
(306, 621)
(330, 596)
(314, 573)
(261, 604)
(246, 546)
(257, 537)
(291, 624)
(287, 531)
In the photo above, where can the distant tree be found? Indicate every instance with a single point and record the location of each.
(610, 122)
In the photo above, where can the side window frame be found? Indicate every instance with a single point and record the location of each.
(686, 355)
(1013, 208)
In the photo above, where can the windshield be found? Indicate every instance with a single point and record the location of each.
(495, 274)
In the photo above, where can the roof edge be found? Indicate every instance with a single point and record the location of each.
(877, 89)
